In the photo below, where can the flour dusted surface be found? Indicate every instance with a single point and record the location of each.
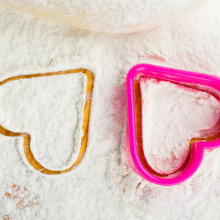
(50, 109)
(103, 185)
(111, 16)
(171, 116)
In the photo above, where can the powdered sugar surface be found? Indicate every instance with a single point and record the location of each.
(103, 185)
(171, 116)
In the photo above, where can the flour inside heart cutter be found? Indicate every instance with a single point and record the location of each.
(85, 125)
(203, 82)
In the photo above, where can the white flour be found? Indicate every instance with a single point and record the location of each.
(50, 109)
(111, 16)
(171, 116)
(103, 185)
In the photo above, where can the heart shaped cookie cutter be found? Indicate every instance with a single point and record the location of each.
(211, 83)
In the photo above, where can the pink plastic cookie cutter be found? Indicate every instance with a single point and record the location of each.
(197, 150)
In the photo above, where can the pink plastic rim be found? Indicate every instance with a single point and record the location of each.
(172, 75)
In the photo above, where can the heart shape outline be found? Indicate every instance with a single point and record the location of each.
(176, 76)
(85, 125)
